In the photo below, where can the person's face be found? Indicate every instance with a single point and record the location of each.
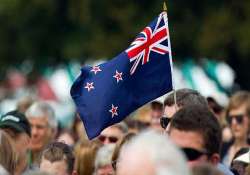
(239, 121)
(110, 135)
(189, 139)
(105, 170)
(156, 114)
(41, 133)
(57, 167)
(169, 111)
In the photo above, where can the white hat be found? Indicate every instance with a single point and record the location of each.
(243, 158)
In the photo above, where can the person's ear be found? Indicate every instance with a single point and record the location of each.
(74, 172)
(214, 158)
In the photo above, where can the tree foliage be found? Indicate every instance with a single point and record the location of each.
(53, 31)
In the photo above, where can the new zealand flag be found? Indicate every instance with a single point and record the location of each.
(107, 93)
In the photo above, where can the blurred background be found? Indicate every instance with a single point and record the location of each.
(43, 44)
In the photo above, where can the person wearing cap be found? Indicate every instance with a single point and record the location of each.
(18, 127)
(241, 160)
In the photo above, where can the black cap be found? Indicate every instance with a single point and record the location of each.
(16, 121)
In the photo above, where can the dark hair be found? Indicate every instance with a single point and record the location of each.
(214, 105)
(156, 105)
(58, 151)
(186, 97)
(200, 119)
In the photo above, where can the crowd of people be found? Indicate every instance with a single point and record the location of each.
(188, 134)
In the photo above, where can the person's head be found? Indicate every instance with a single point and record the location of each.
(18, 127)
(103, 160)
(238, 114)
(113, 133)
(136, 126)
(241, 160)
(184, 97)
(156, 113)
(85, 152)
(8, 157)
(215, 107)
(118, 147)
(43, 123)
(197, 132)
(66, 136)
(151, 153)
(57, 159)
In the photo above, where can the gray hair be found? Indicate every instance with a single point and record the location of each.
(41, 109)
(186, 97)
(164, 157)
(104, 156)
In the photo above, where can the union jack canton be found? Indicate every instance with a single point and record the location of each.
(152, 38)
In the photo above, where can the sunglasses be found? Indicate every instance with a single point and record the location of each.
(111, 139)
(239, 118)
(193, 154)
(164, 121)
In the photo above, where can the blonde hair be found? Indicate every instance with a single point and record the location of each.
(85, 153)
(238, 99)
(8, 155)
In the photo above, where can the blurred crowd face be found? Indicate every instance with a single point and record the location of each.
(169, 111)
(110, 135)
(57, 167)
(41, 133)
(156, 114)
(192, 143)
(239, 122)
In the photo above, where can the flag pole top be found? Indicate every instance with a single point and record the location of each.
(165, 7)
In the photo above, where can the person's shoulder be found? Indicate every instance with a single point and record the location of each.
(224, 169)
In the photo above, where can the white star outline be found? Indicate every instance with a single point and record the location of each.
(89, 86)
(113, 110)
(118, 76)
(95, 69)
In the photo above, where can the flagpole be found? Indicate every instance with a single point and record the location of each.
(170, 57)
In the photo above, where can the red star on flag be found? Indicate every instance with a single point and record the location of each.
(95, 69)
(89, 86)
(118, 76)
(114, 110)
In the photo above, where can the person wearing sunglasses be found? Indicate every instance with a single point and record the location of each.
(197, 132)
(237, 116)
(113, 133)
